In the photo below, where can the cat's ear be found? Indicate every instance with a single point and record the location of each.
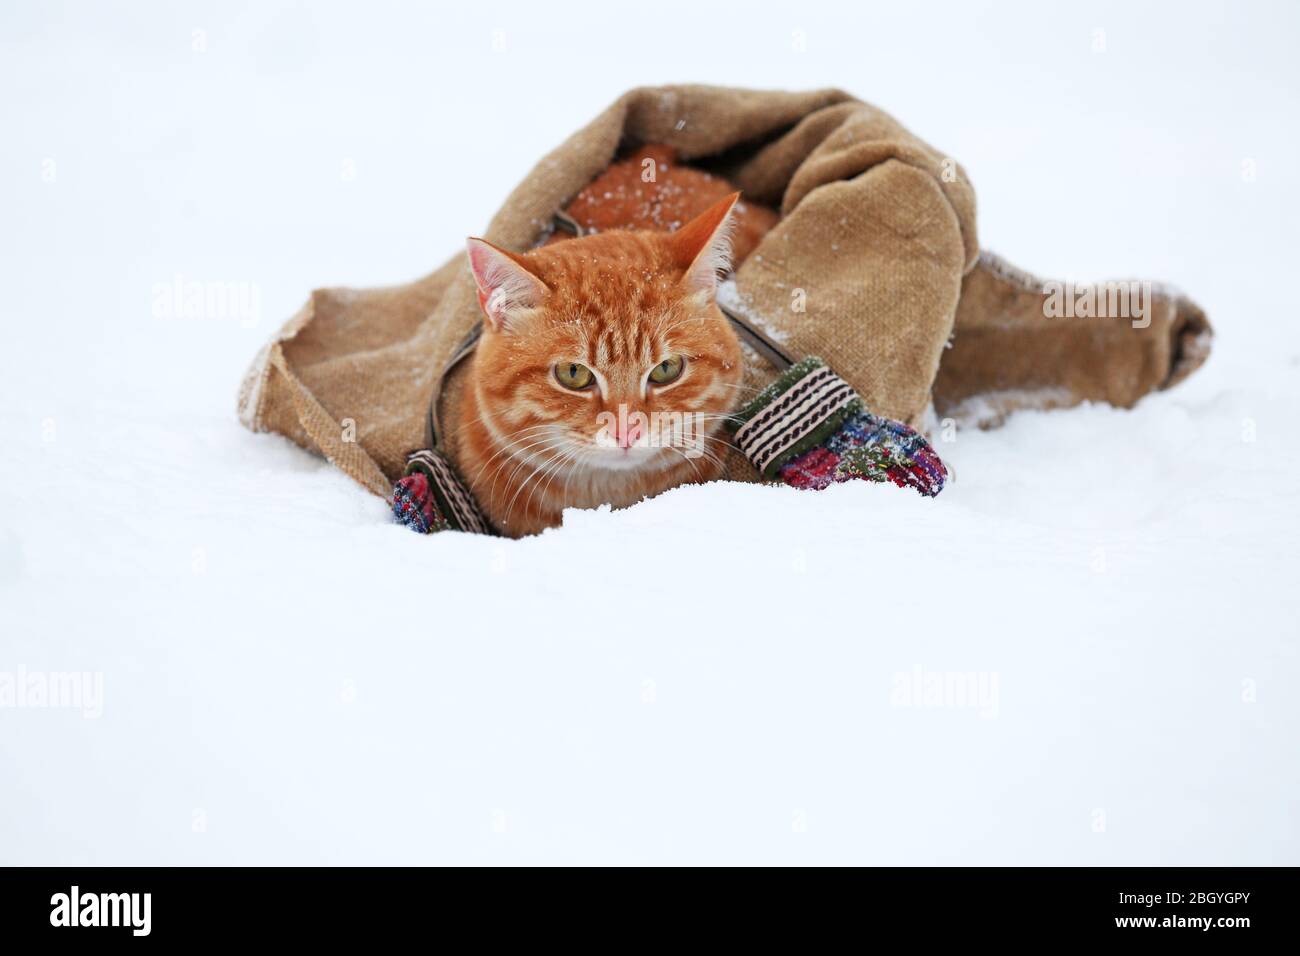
(505, 286)
(703, 246)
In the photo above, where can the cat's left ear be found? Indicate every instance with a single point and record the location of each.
(703, 246)
(505, 286)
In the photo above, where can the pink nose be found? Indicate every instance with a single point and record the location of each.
(628, 433)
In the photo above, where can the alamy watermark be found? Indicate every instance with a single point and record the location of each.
(184, 298)
(956, 690)
(686, 431)
(130, 910)
(1099, 300)
(53, 690)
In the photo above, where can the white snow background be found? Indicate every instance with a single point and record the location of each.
(716, 675)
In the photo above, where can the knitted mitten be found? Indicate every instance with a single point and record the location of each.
(430, 497)
(809, 428)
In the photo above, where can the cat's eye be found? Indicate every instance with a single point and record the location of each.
(574, 375)
(668, 370)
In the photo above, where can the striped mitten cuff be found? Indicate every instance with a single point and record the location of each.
(431, 497)
(810, 429)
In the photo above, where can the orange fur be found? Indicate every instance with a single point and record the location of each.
(618, 302)
(622, 198)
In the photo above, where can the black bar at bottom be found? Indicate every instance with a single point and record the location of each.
(338, 906)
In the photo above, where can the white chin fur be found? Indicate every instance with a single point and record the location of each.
(619, 459)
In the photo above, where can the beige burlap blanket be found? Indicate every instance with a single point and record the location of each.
(874, 266)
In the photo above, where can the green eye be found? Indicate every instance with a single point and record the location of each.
(573, 375)
(667, 370)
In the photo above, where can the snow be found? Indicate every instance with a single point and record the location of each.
(1084, 651)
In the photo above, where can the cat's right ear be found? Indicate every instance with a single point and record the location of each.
(505, 286)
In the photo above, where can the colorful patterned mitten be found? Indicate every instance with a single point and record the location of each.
(430, 497)
(809, 428)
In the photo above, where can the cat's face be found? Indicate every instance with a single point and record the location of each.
(607, 352)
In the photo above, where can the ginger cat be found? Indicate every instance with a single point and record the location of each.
(605, 368)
